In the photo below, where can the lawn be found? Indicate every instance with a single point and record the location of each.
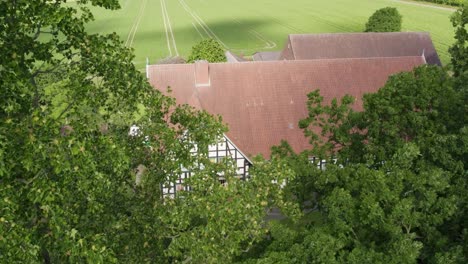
(160, 28)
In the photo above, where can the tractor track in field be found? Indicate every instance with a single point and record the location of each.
(136, 23)
(268, 43)
(196, 28)
(168, 29)
(201, 23)
(165, 29)
(125, 5)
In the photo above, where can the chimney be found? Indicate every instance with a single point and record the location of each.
(202, 73)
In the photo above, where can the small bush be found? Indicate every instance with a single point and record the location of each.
(387, 19)
(209, 50)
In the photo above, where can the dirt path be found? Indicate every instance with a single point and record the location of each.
(268, 43)
(168, 29)
(426, 5)
(196, 28)
(136, 23)
(201, 23)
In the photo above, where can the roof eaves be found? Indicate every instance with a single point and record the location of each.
(238, 149)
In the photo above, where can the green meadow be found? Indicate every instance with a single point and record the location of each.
(158, 29)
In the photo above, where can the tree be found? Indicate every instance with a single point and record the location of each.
(447, 2)
(209, 50)
(370, 215)
(330, 120)
(302, 190)
(386, 19)
(459, 50)
(396, 193)
(68, 184)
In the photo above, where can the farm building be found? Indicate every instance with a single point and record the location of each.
(350, 45)
(354, 45)
(263, 101)
(266, 56)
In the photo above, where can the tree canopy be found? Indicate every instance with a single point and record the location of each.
(396, 191)
(69, 188)
(386, 19)
(394, 188)
(459, 50)
(446, 2)
(209, 50)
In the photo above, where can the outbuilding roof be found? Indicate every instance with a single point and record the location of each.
(360, 45)
(231, 57)
(266, 56)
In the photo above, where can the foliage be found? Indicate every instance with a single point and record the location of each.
(410, 108)
(329, 120)
(398, 194)
(225, 220)
(209, 50)
(372, 215)
(300, 187)
(68, 186)
(446, 2)
(398, 191)
(459, 50)
(386, 19)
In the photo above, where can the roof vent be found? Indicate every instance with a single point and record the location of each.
(202, 73)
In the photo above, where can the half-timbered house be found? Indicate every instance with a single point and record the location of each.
(262, 101)
(224, 149)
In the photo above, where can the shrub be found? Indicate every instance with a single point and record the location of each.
(386, 19)
(445, 2)
(209, 50)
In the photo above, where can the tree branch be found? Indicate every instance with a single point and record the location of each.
(36, 92)
(38, 32)
(59, 64)
(187, 260)
(67, 108)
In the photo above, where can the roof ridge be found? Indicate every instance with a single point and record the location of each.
(295, 61)
(321, 60)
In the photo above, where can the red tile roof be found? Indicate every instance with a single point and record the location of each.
(262, 102)
(360, 45)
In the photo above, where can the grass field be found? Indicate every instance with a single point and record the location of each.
(160, 28)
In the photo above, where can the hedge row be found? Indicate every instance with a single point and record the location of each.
(445, 2)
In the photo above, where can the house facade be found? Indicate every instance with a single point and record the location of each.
(224, 149)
